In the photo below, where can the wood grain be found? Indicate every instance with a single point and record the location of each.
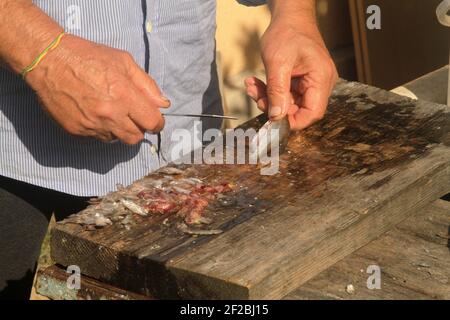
(414, 259)
(373, 160)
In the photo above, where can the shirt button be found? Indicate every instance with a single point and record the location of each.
(148, 26)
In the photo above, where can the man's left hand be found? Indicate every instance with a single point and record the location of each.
(300, 74)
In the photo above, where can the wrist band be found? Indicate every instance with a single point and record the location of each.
(38, 60)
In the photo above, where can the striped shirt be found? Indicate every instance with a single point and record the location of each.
(173, 40)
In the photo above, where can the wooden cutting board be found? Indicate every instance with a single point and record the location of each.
(371, 162)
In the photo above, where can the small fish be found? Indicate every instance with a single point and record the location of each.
(120, 187)
(271, 136)
(171, 171)
(156, 183)
(108, 208)
(134, 207)
(192, 181)
(89, 219)
(181, 190)
(101, 221)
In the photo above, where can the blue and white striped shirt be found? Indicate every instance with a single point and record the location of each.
(172, 39)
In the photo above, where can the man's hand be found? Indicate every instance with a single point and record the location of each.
(96, 91)
(89, 89)
(300, 72)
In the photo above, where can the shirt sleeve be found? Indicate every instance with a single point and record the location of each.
(252, 2)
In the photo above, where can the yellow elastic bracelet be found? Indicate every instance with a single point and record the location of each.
(38, 60)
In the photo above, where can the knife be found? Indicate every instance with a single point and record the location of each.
(217, 116)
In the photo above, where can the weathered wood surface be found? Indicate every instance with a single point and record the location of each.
(51, 283)
(414, 259)
(373, 160)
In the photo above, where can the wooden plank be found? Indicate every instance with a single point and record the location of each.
(52, 283)
(413, 257)
(374, 159)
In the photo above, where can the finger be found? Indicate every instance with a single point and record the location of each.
(103, 136)
(263, 104)
(149, 88)
(128, 132)
(256, 88)
(311, 108)
(278, 89)
(250, 81)
(147, 117)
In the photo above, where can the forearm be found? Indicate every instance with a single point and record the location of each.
(25, 32)
(297, 14)
(294, 9)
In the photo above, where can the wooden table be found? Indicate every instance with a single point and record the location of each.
(374, 160)
(413, 259)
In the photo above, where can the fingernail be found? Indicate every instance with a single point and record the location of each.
(275, 112)
(260, 104)
(166, 100)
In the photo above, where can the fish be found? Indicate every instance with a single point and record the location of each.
(134, 207)
(89, 219)
(273, 134)
(157, 183)
(187, 197)
(181, 190)
(192, 181)
(170, 171)
(101, 221)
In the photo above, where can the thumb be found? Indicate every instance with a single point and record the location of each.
(278, 90)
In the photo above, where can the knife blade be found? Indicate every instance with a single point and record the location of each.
(216, 116)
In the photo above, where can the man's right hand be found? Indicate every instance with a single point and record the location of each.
(95, 91)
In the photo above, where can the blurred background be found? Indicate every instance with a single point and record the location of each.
(410, 44)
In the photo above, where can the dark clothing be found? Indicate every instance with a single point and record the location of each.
(25, 212)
